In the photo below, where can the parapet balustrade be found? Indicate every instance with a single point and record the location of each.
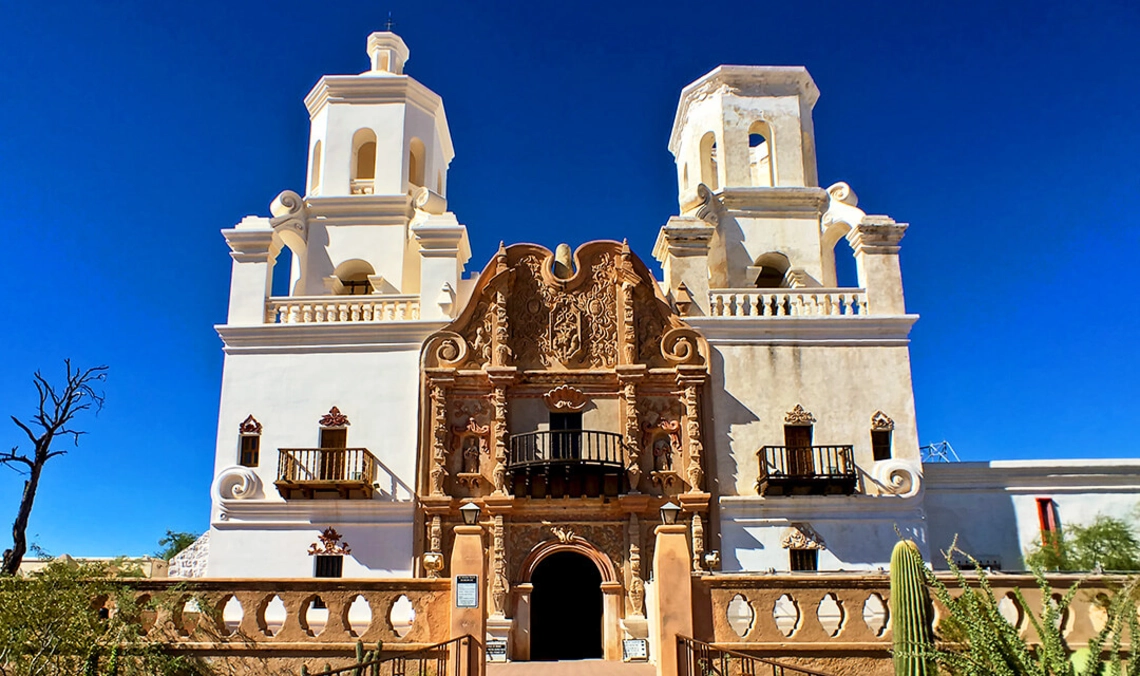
(821, 611)
(337, 309)
(213, 611)
(787, 303)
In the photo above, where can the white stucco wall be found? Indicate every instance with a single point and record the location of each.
(992, 506)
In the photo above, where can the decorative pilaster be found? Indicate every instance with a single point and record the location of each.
(501, 349)
(698, 541)
(433, 558)
(499, 404)
(693, 431)
(439, 437)
(499, 570)
(636, 585)
(630, 431)
(629, 280)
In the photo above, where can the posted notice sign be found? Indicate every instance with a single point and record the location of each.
(466, 591)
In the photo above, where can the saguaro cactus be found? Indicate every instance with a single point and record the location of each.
(910, 619)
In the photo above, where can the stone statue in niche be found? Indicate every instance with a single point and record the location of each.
(471, 454)
(662, 454)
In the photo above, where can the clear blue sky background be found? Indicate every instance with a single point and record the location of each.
(132, 132)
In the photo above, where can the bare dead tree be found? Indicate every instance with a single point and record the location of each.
(57, 409)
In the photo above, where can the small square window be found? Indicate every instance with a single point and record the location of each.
(804, 559)
(250, 450)
(881, 444)
(329, 566)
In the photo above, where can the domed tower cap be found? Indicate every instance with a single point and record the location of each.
(387, 52)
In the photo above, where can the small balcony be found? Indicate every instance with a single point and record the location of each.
(806, 470)
(311, 473)
(566, 463)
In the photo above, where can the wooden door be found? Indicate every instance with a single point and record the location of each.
(797, 440)
(332, 455)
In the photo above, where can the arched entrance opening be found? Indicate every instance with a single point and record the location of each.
(566, 608)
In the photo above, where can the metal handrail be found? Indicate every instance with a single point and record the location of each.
(439, 654)
(565, 447)
(697, 658)
(808, 462)
(319, 465)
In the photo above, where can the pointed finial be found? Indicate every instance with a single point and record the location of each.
(389, 23)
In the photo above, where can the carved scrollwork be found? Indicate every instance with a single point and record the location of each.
(290, 213)
(446, 349)
(801, 536)
(334, 418)
(881, 423)
(565, 398)
(798, 416)
(330, 544)
(250, 426)
(237, 483)
(897, 477)
(710, 210)
(682, 346)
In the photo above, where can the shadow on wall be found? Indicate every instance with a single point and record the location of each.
(985, 523)
(727, 413)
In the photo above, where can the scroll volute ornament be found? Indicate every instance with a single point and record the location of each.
(565, 398)
(683, 346)
(799, 417)
(446, 349)
(334, 418)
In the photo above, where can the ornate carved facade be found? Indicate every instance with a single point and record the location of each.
(566, 401)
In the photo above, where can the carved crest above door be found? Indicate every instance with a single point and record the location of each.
(608, 312)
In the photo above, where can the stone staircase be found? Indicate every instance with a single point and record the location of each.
(571, 668)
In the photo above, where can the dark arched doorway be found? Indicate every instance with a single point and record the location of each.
(566, 608)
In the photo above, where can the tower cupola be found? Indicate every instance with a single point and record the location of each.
(377, 133)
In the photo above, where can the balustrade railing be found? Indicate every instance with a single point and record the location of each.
(578, 447)
(787, 303)
(807, 469)
(338, 309)
(697, 658)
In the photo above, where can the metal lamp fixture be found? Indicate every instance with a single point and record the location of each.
(669, 512)
(470, 513)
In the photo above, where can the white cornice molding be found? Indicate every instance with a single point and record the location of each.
(1035, 476)
(771, 201)
(393, 336)
(244, 514)
(888, 330)
(361, 209)
(754, 509)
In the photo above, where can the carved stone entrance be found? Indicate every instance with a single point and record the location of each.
(566, 608)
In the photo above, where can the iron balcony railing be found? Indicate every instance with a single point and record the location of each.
(457, 657)
(697, 658)
(565, 447)
(326, 465)
(806, 469)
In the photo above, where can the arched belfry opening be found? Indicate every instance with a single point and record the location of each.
(566, 608)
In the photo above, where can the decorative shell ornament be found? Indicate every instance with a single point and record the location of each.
(565, 398)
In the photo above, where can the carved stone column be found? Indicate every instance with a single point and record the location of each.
(499, 569)
(628, 378)
(500, 378)
(500, 334)
(439, 431)
(695, 472)
(636, 584)
(433, 559)
(698, 541)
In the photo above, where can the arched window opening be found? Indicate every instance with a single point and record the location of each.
(315, 170)
(363, 161)
(771, 269)
(709, 161)
(416, 162)
(760, 154)
(353, 278)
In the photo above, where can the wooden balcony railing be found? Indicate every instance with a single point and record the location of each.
(563, 463)
(303, 472)
(806, 470)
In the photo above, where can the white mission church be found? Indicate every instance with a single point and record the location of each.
(569, 395)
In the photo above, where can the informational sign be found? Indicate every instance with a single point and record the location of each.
(496, 650)
(634, 650)
(466, 591)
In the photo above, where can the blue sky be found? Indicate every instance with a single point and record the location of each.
(1004, 133)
